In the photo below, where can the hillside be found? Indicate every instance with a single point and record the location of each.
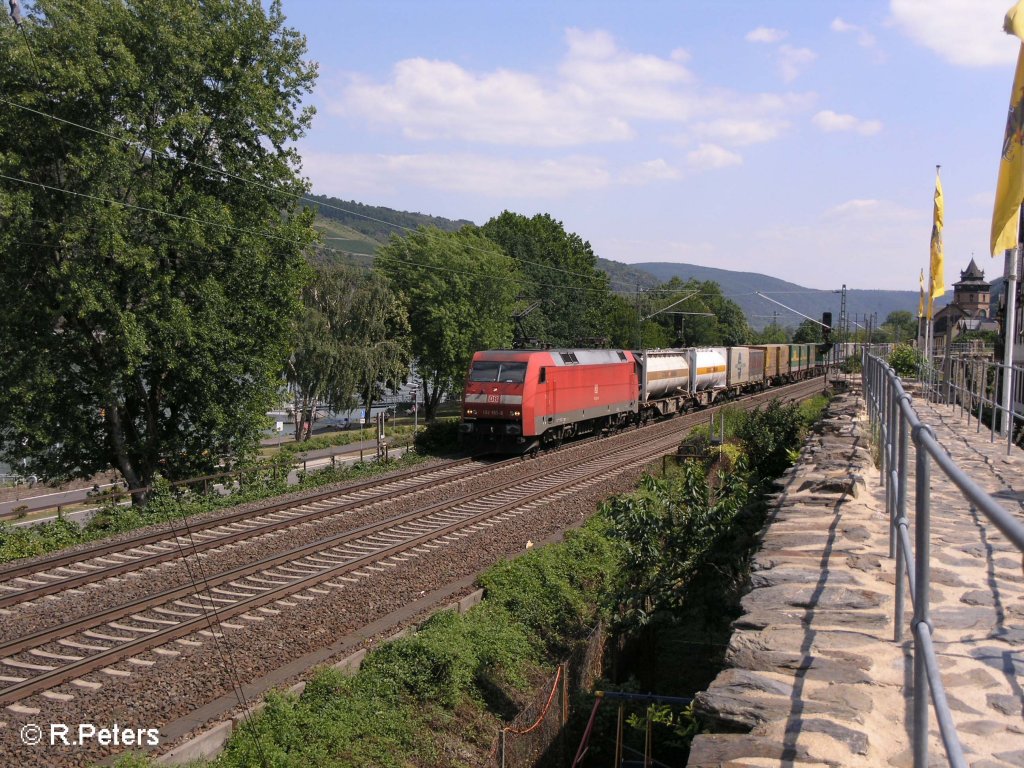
(741, 288)
(369, 225)
(357, 230)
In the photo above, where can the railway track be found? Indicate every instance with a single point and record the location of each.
(68, 653)
(62, 571)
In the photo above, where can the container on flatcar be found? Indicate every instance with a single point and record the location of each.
(776, 362)
(517, 400)
(663, 372)
(739, 371)
(799, 359)
(820, 356)
(757, 377)
(708, 368)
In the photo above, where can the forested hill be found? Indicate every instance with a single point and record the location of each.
(358, 229)
(379, 223)
(741, 288)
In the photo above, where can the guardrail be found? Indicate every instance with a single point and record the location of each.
(897, 424)
(974, 382)
(119, 493)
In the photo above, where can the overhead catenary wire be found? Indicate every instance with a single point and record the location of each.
(301, 198)
(320, 203)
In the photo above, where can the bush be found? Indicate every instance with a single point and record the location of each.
(852, 364)
(768, 434)
(450, 654)
(438, 437)
(905, 360)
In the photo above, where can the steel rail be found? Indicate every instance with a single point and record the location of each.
(98, 550)
(179, 543)
(634, 454)
(184, 545)
(638, 451)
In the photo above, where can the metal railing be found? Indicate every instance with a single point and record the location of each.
(897, 425)
(974, 382)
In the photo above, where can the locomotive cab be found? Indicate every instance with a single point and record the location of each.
(492, 406)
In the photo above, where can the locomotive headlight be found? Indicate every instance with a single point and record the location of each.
(517, 413)
(471, 411)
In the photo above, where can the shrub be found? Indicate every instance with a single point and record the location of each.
(905, 360)
(767, 435)
(441, 436)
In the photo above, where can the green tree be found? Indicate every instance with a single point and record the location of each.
(149, 295)
(809, 332)
(351, 339)
(623, 317)
(900, 325)
(695, 313)
(560, 270)
(459, 290)
(773, 333)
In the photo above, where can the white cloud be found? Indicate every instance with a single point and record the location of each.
(599, 77)
(831, 122)
(600, 93)
(967, 33)
(864, 38)
(440, 100)
(765, 35)
(793, 60)
(739, 132)
(650, 171)
(497, 177)
(711, 157)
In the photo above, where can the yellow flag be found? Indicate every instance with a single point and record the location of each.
(1010, 186)
(920, 302)
(938, 286)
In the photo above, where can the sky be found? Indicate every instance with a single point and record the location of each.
(795, 138)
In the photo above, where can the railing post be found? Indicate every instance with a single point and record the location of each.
(894, 409)
(1008, 416)
(922, 577)
(901, 520)
(883, 432)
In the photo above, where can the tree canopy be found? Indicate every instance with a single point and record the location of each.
(560, 271)
(695, 313)
(808, 332)
(351, 340)
(153, 251)
(459, 291)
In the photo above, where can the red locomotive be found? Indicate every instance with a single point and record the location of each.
(517, 401)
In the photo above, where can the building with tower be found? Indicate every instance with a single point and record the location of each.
(970, 310)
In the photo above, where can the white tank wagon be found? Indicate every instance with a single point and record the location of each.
(665, 386)
(708, 372)
(665, 372)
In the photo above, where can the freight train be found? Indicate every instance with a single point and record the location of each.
(521, 400)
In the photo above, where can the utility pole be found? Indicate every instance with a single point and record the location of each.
(843, 323)
(639, 319)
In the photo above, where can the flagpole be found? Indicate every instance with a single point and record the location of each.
(1012, 259)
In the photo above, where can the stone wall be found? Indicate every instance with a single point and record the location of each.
(798, 685)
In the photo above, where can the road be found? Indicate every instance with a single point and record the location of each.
(310, 461)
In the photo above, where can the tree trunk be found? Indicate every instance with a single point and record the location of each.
(115, 430)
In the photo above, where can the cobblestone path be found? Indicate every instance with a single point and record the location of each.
(814, 677)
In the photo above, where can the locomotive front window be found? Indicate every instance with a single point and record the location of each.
(506, 373)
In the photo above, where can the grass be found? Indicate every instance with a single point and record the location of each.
(437, 697)
(167, 506)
